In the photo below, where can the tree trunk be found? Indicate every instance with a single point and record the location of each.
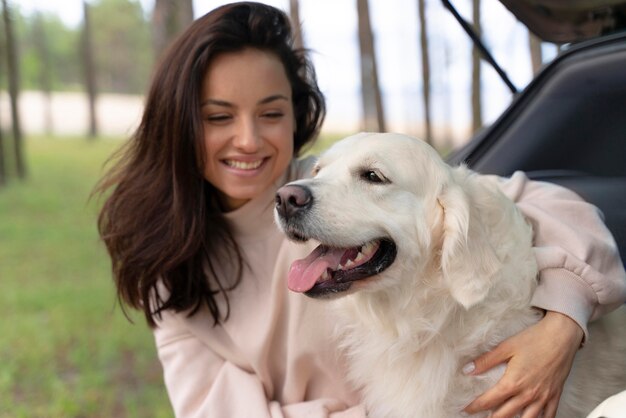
(536, 57)
(169, 18)
(447, 144)
(477, 116)
(373, 116)
(45, 78)
(294, 11)
(89, 72)
(13, 73)
(421, 7)
(3, 170)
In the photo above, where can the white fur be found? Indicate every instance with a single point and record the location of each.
(461, 282)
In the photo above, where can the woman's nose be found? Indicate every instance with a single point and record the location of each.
(247, 137)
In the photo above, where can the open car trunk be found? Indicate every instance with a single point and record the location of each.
(566, 21)
(568, 126)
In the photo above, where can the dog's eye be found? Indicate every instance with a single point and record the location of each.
(371, 176)
(316, 169)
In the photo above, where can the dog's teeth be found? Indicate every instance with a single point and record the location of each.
(359, 257)
(348, 264)
(325, 275)
(367, 248)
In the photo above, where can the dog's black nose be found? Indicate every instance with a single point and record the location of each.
(291, 199)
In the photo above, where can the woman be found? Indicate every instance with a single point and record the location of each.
(189, 228)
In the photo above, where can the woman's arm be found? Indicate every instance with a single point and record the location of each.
(202, 384)
(581, 274)
(581, 277)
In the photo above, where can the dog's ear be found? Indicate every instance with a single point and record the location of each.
(468, 261)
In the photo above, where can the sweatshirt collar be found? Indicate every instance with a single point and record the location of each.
(256, 217)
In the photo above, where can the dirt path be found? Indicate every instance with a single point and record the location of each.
(118, 115)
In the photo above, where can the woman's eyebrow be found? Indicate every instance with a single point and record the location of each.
(224, 103)
(216, 102)
(272, 98)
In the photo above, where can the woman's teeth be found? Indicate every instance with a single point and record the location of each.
(244, 165)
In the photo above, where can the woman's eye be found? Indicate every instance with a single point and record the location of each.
(272, 115)
(218, 118)
(372, 177)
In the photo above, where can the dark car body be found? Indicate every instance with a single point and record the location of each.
(568, 126)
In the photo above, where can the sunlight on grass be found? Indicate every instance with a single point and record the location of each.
(66, 349)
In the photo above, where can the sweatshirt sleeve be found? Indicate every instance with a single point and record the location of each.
(580, 271)
(201, 384)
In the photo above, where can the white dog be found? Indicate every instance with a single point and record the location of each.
(438, 268)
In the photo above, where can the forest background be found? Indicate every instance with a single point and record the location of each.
(72, 78)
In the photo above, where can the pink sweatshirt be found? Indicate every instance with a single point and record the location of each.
(274, 356)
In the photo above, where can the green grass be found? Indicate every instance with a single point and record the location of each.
(66, 349)
(323, 142)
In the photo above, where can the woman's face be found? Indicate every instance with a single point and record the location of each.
(248, 123)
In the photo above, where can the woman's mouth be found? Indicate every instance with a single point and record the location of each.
(244, 165)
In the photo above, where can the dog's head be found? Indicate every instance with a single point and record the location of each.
(383, 207)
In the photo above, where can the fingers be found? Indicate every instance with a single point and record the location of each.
(489, 360)
(550, 409)
(526, 404)
(518, 404)
(533, 411)
(536, 410)
(491, 399)
(501, 391)
(506, 402)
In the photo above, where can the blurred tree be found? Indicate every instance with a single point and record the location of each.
(63, 44)
(45, 71)
(122, 50)
(373, 115)
(116, 25)
(294, 12)
(3, 171)
(477, 114)
(89, 70)
(63, 65)
(536, 57)
(169, 18)
(12, 61)
(447, 144)
(421, 8)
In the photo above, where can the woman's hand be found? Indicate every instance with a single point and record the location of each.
(539, 360)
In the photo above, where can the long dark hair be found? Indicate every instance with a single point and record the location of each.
(160, 221)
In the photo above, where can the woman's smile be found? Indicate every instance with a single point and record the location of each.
(245, 166)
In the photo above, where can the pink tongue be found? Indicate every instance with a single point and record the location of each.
(304, 273)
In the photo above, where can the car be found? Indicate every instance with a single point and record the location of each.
(568, 125)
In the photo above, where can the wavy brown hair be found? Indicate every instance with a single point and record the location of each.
(160, 220)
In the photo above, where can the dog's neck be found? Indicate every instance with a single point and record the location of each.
(400, 313)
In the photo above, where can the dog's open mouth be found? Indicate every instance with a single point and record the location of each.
(332, 270)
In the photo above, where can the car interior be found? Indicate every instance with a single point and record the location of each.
(568, 126)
